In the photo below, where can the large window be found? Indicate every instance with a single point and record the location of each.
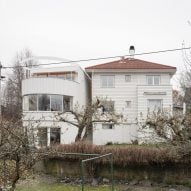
(153, 80)
(56, 103)
(107, 81)
(44, 102)
(154, 105)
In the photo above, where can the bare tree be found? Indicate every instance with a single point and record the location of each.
(175, 130)
(84, 118)
(13, 96)
(185, 79)
(17, 153)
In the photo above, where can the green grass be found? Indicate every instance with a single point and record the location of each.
(60, 187)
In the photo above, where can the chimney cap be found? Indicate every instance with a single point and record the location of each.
(131, 51)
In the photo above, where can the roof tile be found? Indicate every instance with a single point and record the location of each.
(129, 63)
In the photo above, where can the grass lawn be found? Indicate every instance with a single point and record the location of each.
(60, 187)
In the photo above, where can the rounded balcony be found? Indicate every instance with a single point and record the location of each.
(50, 86)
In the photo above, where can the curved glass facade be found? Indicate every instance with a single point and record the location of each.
(47, 102)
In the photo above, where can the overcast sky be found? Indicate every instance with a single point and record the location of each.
(81, 29)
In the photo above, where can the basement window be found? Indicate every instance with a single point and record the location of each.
(107, 126)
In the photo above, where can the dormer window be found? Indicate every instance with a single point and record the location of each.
(153, 80)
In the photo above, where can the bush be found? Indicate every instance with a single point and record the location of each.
(122, 156)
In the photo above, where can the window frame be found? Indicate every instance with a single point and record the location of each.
(153, 79)
(108, 124)
(52, 131)
(26, 108)
(161, 104)
(127, 75)
(107, 81)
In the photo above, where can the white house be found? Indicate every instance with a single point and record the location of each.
(48, 91)
(133, 87)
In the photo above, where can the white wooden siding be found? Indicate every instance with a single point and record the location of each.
(132, 91)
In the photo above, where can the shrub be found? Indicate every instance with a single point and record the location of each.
(122, 156)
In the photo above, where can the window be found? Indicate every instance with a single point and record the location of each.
(107, 126)
(153, 80)
(154, 104)
(43, 102)
(107, 81)
(25, 103)
(56, 103)
(128, 78)
(54, 136)
(108, 106)
(67, 102)
(32, 102)
(42, 136)
(128, 104)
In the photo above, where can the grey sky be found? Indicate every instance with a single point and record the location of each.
(80, 29)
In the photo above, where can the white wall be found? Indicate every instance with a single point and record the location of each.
(128, 91)
(48, 85)
(123, 133)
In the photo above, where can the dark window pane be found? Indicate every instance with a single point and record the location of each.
(67, 101)
(107, 126)
(44, 102)
(54, 136)
(32, 102)
(56, 103)
(42, 137)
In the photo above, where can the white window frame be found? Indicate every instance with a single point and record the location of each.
(107, 81)
(127, 78)
(161, 104)
(153, 80)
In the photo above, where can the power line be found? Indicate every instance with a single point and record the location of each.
(104, 58)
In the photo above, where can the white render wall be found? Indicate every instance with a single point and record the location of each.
(123, 133)
(133, 91)
(50, 85)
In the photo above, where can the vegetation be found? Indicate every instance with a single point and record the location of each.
(122, 155)
(174, 131)
(17, 154)
(85, 117)
(60, 187)
(12, 93)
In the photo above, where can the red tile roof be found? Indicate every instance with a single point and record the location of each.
(131, 64)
